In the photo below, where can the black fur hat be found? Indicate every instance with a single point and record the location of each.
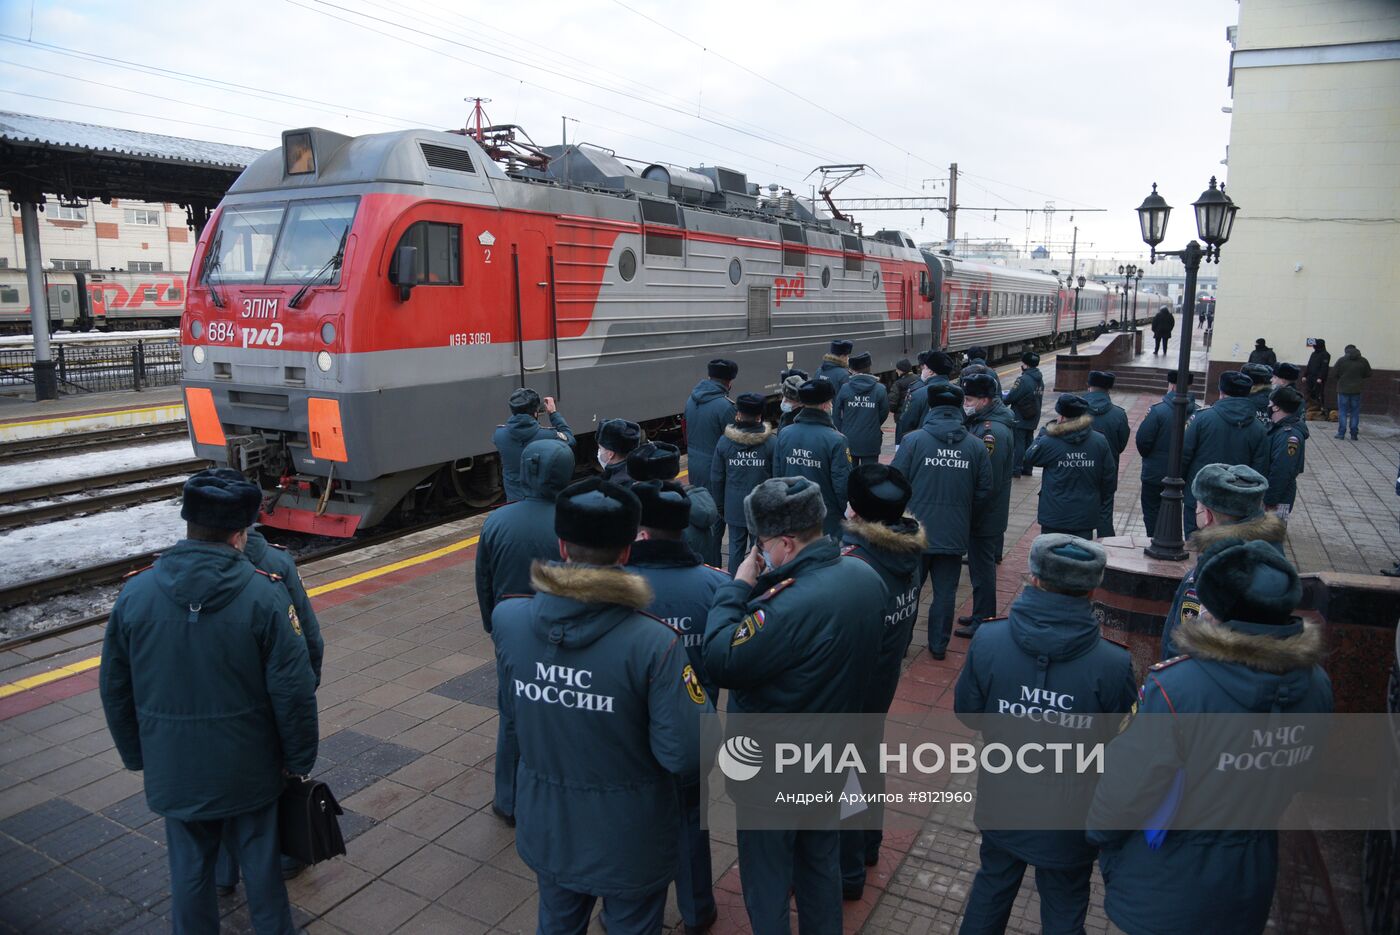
(841, 347)
(597, 513)
(665, 504)
(1288, 372)
(750, 404)
(945, 394)
(1030, 359)
(1249, 582)
(977, 353)
(981, 385)
(816, 391)
(222, 499)
(781, 506)
(524, 401)
(903, 365)
(1234, 383)
(1071, 406)
(1258, 374)
(1286, 398)
(939, 362)
(654, 461)
(1190, 378)
(1103, 379)
(619, 435)
(878, 493)
(721, 369)
(860, 362)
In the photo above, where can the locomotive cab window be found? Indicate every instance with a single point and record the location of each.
(850, 244)
(312, 241)
(659, 241)
(437, 256)
(794, 245)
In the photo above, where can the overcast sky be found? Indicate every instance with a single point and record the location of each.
(1078, 102)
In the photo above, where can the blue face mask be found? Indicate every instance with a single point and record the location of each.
(768, 559)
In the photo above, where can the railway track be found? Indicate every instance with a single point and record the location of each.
(88, 441)
(94, 504)
(80, 484)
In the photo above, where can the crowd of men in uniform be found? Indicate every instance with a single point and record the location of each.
(615, 631)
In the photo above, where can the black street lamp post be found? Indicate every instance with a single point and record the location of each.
(1215, 216)
(1137, 281)
(1127, 272)
(1074, 335)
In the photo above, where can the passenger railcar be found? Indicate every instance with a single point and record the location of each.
(104, 300)
(363, 307)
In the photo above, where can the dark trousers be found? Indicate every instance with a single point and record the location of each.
(1348, 413)
(226, 866)
(1159, 343)
(776, 865)
(858, 460)
(1105, 527)
(193, 846)
(1188, 510)
(1081, 533)
(738, 547)
(507, 751)
(860, 847)
(713, 547)
(565, 912)
(982, 570)
(1151, 504)
(1023, 439)
(695, 879)
(943, 572)
(1064, 895)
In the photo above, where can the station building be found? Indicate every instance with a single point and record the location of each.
(1314, 164)
(126, 236)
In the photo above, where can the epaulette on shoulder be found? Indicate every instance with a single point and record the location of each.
(1109, 639)
(269, 574)
(276, 546)
(847, 550)
(776, 588)
(133, 573)
(996, 619)
(1159, 666)
(524, 597)
(715, 568)
(659, 620)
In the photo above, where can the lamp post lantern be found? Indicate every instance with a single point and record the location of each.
(1127, 272)
(1137, 281)
(1074, 335)
(1215, 216)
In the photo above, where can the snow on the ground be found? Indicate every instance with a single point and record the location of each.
(52, 548)
(48, 470)
(93, 337)
(45, 615)
(68, 498)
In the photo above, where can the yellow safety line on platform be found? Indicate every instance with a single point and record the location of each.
(373, 573)
(93, 415)
(44, 678)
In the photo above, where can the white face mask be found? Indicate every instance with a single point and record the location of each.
(788, 406)
(970, 409)
(602, 457)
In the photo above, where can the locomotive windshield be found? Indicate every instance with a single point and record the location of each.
(282, 243)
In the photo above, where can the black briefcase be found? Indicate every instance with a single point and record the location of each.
(306, 821)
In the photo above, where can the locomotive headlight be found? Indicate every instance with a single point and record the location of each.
(196, 329)
(197, 354)
(323, 361)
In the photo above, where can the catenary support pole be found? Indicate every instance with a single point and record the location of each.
(45, 378)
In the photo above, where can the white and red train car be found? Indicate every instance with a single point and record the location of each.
(104, 300)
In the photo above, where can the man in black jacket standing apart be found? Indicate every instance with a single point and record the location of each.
(1163, 323)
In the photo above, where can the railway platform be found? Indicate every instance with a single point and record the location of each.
(23, 418)
(407, 718)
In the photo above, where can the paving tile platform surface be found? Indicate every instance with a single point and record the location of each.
(408, 724)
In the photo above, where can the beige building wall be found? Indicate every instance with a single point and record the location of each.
(1314, 164)
(124, 235)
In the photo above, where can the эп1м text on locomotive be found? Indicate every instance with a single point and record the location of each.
(363, 306)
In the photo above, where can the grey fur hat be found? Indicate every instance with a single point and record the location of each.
(782, 506)
(1232, 489)
(791, 384)
(1067, 563)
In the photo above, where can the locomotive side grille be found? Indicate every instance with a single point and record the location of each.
(445, 157)
(760, 311)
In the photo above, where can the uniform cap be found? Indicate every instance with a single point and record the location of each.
(793, 384)
(1030, 359)
(841, 347)
(1234, 383)
(860, 361)
(981, 385)
(750, 404)
(816, 391)
(878, 493)
(222, 499)
(654, 461)
(945, 394)
(525, 400)
(1232, 489)
(1067, 563)
(1287, 372)
(782, 506)
(1248, 582)
(722, 369)
(619, 435)
(1258, 373)
(977, 353)
(665, 504)
(597, 513)
(1286, 398)
(1071, 406)
(1103, 379)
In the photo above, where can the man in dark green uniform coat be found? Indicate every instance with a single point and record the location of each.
(796, 632)
(1111, 422)
(616, 438)
(988, 418)
(512, 539)
(833, 366)
(936, 367)
(1079, 472)
(1153, 440)
(522, 428)
(743, 459)
(1288, 442)
(812, 448)
(1024, 400)
(208, 689)
(1228, 432)
(860, 411)
(662, 461)
(1262, 378)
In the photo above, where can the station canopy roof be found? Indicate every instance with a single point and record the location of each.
(82, 162)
